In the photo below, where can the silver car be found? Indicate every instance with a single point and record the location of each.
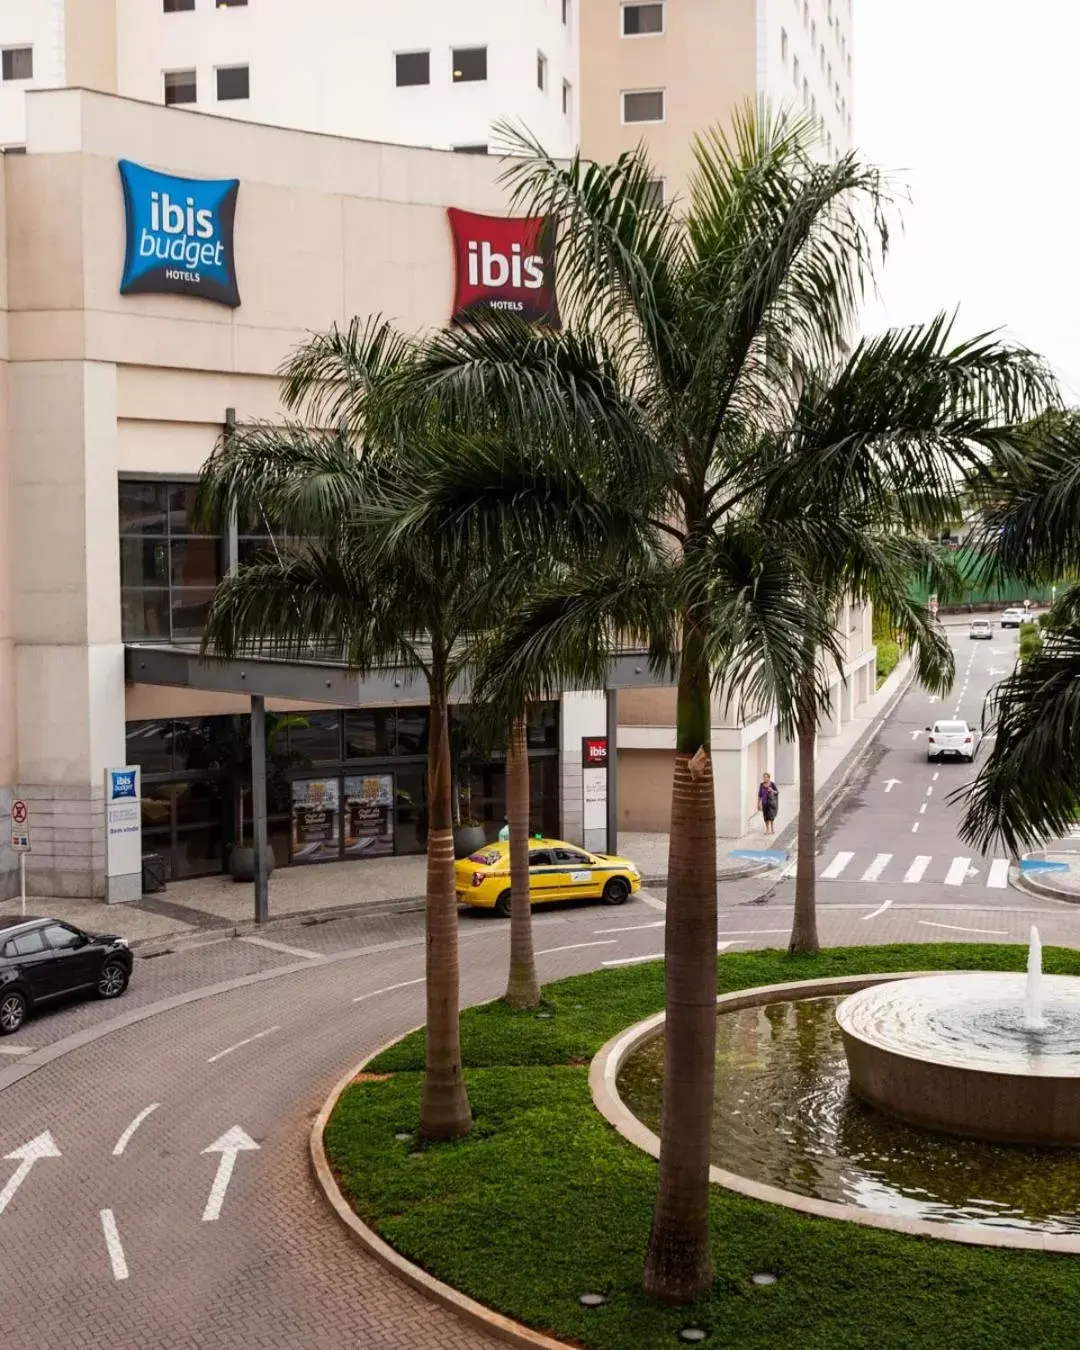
(981, 628)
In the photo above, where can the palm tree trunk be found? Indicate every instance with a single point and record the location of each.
(804, 936)
(523, 986)
(678, 1264)
(444, 1108)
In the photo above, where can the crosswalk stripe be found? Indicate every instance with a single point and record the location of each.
(957, 873)
(881, 861)
(836, 866)
(998, 876)
(917, 868)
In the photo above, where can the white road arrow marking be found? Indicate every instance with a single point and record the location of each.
(231, 1143)
(972, 872)
(933, 699)
(43, 1146)
(916, 734)
(993, 670)
(890, 783)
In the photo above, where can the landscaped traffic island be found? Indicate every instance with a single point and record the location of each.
(544, 1201)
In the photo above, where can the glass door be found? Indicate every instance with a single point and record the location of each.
(316, 820)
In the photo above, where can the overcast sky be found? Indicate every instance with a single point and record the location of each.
(975, 105)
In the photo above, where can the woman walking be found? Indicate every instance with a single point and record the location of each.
(768, 802)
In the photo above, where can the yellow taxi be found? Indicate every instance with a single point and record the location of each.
(557, 871)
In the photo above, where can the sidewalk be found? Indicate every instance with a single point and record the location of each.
(218, 904)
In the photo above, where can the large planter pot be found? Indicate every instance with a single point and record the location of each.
(467, 839)
(242, 862)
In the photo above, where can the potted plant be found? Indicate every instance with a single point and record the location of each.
(469, 833)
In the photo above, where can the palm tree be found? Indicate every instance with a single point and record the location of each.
(848, 496)
(1028, 789)
(341, 589)
(523, 983)
(685, 329)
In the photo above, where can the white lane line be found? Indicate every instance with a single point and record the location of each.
(957, 872)
(880, 910)
(576, 946)
(917, 868)
(647, 898)
(836, 866)
(998, 876)
(915, 828)
(881, 861)
(125, 1138)
(936, 776)
(239, 1044)
(929, 791)
(956, 928)
(922, 809)
(632, 928)
(282, 947)
(634, 960)
(15, 1050)
(112, 1241)
(388, 989)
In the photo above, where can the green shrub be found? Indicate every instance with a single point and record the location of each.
(888, 654)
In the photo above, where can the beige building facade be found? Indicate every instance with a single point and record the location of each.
(110, 403)
(660, 73)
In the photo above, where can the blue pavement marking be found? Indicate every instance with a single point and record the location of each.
(771, 855)
(1043, 865)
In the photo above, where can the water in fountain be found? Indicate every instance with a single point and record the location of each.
(1033, 991)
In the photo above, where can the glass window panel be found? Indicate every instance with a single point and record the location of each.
(412, 68)
(17, 63)
(149, 744)
(233, 82)
(469, 63)
(144, 614)
(60, 937)
(643, 19)
(410, 794)
(180, 87)
(368, 815)
(645, 106)
(142, 508)
(26, 944)
(144, 562)
(369, 733)
(181, 508)
(198, 847)
(412, 731)
(319, 742)
(188, 609)
(195, 562)
(542, 731)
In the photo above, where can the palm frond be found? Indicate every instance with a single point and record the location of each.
(1028, 789)
(328, 377)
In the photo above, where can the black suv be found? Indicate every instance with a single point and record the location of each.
(44, 959)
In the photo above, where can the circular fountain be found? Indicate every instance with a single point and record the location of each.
(986, 1055)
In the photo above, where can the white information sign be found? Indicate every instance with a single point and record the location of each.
(595, 795)
(123, 833)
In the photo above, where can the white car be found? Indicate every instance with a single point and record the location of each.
(954, 739)
(981, 628)
(1012, 618)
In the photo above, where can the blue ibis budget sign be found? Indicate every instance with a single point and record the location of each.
(179, 235)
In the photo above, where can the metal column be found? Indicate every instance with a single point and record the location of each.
(258, 806)
(612, 696)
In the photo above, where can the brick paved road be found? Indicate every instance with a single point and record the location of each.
(275, 1270)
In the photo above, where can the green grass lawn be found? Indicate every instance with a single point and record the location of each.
(544, 1201)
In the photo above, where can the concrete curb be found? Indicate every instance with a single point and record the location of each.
(1040, 889)
(604, 1069)
(730, 874)
(829, 793)
(468, 1309)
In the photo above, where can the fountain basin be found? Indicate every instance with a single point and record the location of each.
(953, 1053)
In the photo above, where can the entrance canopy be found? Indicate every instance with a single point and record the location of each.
(320, 681)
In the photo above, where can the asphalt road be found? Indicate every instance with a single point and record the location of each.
(154, 1185)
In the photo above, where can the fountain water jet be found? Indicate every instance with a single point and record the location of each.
(1033, 991)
